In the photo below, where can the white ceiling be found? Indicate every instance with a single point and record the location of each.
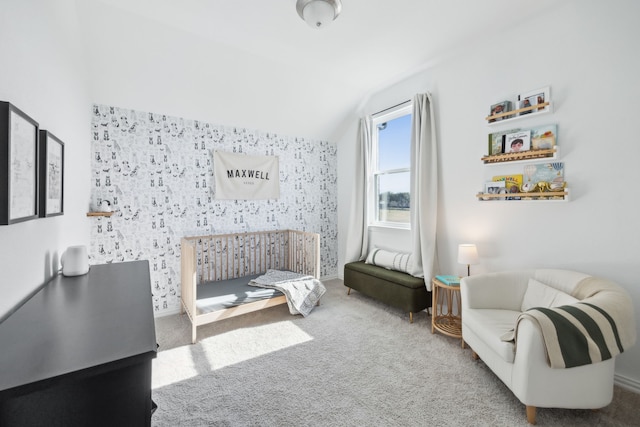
(255, 63)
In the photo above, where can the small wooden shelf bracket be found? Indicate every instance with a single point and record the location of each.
(99, 213)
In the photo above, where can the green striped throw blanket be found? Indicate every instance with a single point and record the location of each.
(598, 327)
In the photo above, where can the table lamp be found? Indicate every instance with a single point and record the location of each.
(467, 254)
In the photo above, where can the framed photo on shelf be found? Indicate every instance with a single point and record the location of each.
(532, 98)
(18, 165)
(517, 142)
(499, 108)
(51, 175)
(494, 187)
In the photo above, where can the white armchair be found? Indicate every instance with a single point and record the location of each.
(491, 307)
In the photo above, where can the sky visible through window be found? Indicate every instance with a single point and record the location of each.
(394, 145)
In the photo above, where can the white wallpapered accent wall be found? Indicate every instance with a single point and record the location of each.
(157, 172)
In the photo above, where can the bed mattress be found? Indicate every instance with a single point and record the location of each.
(218, 295)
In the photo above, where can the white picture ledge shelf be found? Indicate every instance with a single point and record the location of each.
(520, 116)
(543, 196)
(522, 157)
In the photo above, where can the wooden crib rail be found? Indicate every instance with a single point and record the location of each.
(304, 253)
(228, 256)
(188, 277)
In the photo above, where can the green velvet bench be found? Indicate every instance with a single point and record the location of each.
(398, 289)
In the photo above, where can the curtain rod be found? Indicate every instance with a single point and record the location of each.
(390, 108)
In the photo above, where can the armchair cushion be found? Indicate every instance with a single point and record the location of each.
(540, 295)
(502, 290)
(496, 323)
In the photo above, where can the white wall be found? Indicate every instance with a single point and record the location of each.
(42, 74)
(587, 52)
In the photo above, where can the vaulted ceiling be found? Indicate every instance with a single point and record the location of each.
(256, 64)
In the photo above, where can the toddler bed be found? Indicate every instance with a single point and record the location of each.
(216, 270)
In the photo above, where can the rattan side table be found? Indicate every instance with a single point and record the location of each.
(445, 319)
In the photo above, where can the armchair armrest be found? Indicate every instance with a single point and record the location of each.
(502, 290)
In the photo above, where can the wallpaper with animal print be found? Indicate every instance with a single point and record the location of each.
(156, 171)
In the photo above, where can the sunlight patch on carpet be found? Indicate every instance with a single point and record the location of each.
(226, 349)
(175, 365)
(249, 343)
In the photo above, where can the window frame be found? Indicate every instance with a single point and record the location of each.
(373, 195)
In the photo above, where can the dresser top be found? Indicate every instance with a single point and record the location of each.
(76, 323)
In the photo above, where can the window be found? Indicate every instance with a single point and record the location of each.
(390, 199)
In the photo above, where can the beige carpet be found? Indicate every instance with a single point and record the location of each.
(352, 362)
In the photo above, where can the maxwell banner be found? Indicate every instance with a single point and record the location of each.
(243, 177)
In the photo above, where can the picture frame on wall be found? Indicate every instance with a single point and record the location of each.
(494, 187)
(19, 170)
(500, 108)
(51, 175)
(532, 98)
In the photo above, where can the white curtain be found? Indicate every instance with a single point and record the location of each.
(358, 234)
(424, 188)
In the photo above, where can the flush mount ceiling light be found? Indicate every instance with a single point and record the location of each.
(318, 13)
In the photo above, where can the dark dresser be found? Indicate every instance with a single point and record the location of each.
(79, 352)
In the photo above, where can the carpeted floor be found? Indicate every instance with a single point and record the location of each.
(351, 362)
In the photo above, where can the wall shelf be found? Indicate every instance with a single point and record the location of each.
(99, 213)
(547, 196)
(549, 188)
(522, 157)
(518, 111)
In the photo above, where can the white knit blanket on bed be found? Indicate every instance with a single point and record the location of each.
(302, 291)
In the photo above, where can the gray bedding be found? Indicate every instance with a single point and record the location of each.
(213, 296)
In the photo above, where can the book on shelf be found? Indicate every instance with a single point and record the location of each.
(517, 141)
(497, 140)
(449, 280)
(544, 137)
(512, 183)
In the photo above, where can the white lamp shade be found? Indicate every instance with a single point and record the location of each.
(318, 13)
(467, 254)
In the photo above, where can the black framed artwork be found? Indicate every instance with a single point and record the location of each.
(51, 175)
(18, 165)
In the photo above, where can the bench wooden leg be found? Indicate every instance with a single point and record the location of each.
(531, 414)
(474, 355)
(348, 291)
(411, 317)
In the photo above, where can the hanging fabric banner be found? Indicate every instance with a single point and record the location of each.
(243, 177)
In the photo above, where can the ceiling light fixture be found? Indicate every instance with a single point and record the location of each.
(318, 13)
